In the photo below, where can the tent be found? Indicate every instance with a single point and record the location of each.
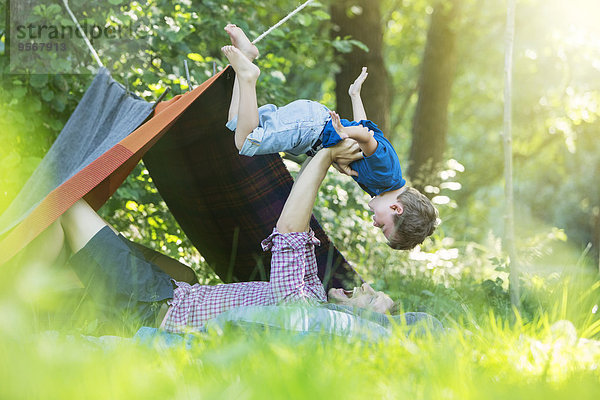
(225, 203)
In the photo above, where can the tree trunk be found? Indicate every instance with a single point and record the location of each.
(509, 226)
(361, 19)
(430, 121)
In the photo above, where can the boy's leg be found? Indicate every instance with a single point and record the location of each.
(234, 106)
(247, 74)
(241, 41)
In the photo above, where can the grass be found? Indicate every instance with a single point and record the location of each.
(486, 353)
(496, 361)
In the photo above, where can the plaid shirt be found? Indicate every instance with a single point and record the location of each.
(293, 278)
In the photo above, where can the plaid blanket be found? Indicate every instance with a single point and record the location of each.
(227, 203)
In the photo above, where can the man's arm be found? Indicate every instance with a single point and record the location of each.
(296, 213)
(302, 167)
(354, 91)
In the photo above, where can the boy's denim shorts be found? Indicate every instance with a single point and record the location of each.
(293, 128)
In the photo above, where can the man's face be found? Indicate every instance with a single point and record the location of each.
(384, 207)
(363, 296)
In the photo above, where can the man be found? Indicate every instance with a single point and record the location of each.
(121, 276)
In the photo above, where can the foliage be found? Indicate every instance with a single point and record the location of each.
(458, 274)
(555, 120)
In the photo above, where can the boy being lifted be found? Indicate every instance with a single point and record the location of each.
(405, 216)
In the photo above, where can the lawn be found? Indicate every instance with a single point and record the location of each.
(548, 354)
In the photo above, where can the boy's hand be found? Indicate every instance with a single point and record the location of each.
(354, 90)
(337, 125)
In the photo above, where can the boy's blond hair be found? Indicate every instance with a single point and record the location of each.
(417, 221)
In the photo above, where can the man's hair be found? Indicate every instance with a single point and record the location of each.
(417, 221)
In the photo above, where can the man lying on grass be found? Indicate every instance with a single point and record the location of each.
(124, 277)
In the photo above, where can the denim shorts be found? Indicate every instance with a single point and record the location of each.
(293, 128)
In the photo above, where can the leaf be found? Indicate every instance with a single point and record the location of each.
(47, 94)
(38, 80)
(61, 83)
(10, 161)
(19, 93)
(195, 57)
(59, 102)
(360, 45)
(304, 19)
(343, 46)
(53, 9)
(321, 15)
(35, 104)
(131, 205)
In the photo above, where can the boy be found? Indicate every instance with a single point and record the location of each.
(405, 216)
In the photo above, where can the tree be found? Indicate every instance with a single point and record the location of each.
(430, 121)
(509, 228)
(361, 20)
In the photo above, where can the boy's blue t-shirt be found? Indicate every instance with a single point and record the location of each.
(378, 173)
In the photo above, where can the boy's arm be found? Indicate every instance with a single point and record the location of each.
(358, 109)
(296, 213)
(363, 135)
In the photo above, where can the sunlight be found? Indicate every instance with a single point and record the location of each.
(581, 15)
(575, 24)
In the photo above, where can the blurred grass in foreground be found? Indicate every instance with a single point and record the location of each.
(44, 355)
(495, 361)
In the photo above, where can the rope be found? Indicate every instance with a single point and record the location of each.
(83, 35)
(277, 25)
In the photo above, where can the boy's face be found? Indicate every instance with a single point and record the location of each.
(384, 207)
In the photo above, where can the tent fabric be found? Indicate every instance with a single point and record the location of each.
(104, 117)
(225, 203)
(99, 179)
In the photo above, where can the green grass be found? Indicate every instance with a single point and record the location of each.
(487, 353)
(495, 361)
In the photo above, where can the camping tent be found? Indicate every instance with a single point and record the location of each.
(225, 203)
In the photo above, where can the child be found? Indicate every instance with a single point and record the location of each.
(405, 216)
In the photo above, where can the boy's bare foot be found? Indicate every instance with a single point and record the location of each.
(244, 68)
(241, 41)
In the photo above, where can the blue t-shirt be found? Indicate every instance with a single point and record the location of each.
(378, 173)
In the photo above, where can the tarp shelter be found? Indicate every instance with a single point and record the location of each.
(225, 203)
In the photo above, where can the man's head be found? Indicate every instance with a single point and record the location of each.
(363, 296)
(405, 216)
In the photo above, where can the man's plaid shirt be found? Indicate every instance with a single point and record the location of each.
(293, 278)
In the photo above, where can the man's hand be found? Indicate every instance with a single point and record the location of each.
(354, 89)
(344, 153)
